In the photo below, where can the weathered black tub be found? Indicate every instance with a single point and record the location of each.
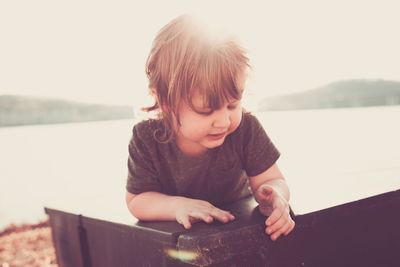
(360, 233)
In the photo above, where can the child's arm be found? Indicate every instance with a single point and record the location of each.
(272, 193)
(155, 206)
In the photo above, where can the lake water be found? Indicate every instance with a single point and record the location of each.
(329, 157)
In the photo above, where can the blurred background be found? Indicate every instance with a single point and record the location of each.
(325, 84)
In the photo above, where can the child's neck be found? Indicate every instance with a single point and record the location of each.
(191, 149)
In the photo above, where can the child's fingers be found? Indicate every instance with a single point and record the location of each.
(277, 225)
(185, 221)
(201, 215)
(274, 217)
(221, 215)
(285, 228)
(280, 208)
(292, 225)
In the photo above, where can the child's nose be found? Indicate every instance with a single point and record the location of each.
(222, 119)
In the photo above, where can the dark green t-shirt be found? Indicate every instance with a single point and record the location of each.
(218, 176)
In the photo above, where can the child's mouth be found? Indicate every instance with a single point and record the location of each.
(216, 136)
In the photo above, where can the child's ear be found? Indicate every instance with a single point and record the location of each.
(165, 108)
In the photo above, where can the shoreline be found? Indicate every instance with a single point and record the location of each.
(17, 228)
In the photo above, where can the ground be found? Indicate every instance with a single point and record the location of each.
(27, 246)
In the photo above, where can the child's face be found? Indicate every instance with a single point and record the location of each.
(198, 132)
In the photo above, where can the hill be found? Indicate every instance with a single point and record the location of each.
(24, 110)
(340, 94)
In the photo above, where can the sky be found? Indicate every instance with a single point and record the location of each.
(95, 51)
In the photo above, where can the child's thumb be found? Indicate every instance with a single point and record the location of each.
(266, 190)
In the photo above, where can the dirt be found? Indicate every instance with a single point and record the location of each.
(27, 246)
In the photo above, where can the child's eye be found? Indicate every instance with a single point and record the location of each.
(205, 112)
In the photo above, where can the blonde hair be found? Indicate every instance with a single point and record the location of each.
(186, 59)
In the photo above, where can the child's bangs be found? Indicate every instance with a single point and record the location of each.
(217, 83)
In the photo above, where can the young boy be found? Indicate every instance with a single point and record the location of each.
(203, 149)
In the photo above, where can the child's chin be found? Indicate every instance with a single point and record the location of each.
(214, 144)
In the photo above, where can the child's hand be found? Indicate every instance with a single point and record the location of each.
(277, 208)
(193, 210)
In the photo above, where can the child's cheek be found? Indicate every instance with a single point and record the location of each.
(236, 119)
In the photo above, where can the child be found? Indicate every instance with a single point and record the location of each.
(203, 149)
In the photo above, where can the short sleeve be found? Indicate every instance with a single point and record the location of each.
(142, 174)
(258, 150)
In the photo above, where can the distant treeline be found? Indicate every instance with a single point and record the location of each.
(341, 94)
(22, 110)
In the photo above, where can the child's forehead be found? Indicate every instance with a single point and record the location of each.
(200, 100)
(203, 89)
(203, 96)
